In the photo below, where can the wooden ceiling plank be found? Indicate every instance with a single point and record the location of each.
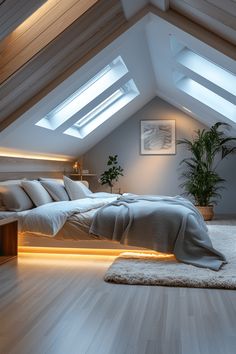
(226, 5)
(12, 39)
(14, 12)
(34, 85)
(37, 24)
(39, 42)
(55, 50)
(56, 56)
(6, 11)
(69, 38)
(95, 37)
(211, 10)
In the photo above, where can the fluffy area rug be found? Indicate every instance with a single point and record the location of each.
(161, 269)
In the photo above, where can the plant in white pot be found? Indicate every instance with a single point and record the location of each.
(200, 178)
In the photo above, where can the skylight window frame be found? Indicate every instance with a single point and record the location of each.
(78, 92)
(223, 78)
(116, 69)
(98, 109)
(207, 97)
(129, 91)
(204, 80)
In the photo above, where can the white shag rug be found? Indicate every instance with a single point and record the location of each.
(143, 269)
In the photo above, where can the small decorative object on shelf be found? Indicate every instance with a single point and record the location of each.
(79, 172)
(113, 173)
(76, 167)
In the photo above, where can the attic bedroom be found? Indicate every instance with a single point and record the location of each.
(117, 176)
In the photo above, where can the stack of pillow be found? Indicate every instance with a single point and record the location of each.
(19, 195)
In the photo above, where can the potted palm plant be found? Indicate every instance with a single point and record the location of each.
(200, 178)
(113, 173)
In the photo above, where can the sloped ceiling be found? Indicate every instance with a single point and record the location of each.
(145, 48)
(48, 46)
(14, 12)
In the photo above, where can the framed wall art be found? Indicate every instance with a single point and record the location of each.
(158, 137)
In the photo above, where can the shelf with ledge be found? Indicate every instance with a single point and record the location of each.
(82, 176)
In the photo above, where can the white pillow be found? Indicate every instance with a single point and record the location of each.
(76, 189)
(85, 183)
(12, 181)
(58, 180)
(14, 198)
(56, 190)
(36, 192)
(4, 183)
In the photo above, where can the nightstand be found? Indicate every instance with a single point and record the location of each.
(8, 239)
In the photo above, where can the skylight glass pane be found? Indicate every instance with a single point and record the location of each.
(207, 69)
(100, 108)
(207, 97)
(85, 94)
(104, 110)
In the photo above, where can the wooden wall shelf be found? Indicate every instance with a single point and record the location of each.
(83, 175)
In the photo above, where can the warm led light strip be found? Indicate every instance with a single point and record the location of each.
(86, 251)
(34, 157)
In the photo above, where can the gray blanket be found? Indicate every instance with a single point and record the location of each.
(164, 224)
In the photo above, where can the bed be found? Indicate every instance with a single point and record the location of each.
(166, 224)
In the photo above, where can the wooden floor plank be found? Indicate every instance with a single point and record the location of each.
(60, 304)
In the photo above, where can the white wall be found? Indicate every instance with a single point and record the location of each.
(15, 168)
(154, 174)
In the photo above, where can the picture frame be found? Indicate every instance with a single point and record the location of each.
(157, 137)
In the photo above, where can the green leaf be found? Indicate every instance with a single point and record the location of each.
(207, 148)
(113, 173)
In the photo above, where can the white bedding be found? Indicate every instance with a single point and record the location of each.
(49, 219)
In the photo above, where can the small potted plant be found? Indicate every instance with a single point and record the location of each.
(200, 178)
(113, 173)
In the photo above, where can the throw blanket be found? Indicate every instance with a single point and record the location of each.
(164, 224)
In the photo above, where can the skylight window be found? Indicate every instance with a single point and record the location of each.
(107, 108)
(100, 108)
(208, 70)
(104, 79)
(207, 97)
(204, 80)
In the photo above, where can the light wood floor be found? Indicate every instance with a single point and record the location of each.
(60, 304)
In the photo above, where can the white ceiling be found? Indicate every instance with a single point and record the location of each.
(145, 48)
